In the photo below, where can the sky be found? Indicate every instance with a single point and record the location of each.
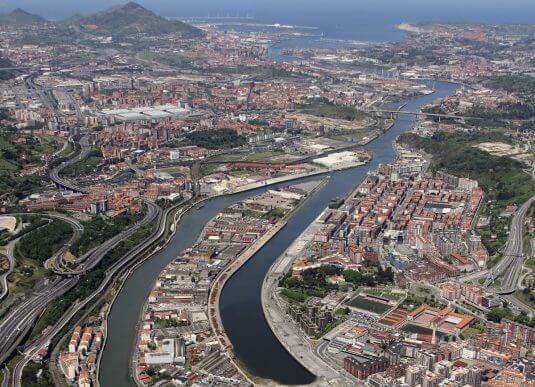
(494, 11)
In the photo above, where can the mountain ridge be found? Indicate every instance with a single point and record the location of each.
(20, 17)
(130, 19)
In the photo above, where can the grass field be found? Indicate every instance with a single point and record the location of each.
(469, 332)
(83, 167)
(16, 152)
(411, 328)
(26, 274)
(384, 293)
(365, 303)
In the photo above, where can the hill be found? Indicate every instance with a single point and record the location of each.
(20, 17)
(131, 19)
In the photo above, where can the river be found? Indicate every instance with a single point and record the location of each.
(254, 344)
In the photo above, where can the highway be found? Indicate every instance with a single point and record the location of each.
(15, 324)
(17, 321)
(20, 319)
(111, 273)
(77, 230)
(45, 99)
(89, 260)
(63, 148)
(77, 233)
(510, 266)
(11, 260)
(66, 183)
(512, 257)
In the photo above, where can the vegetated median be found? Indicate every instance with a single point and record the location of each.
(99, 229)
(86, 166)
(89, 282)
(86, 286)
(503, 179)
(43, 242)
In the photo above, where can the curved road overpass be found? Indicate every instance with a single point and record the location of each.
(20, 319)
(85, 148)
(111, 273)
(510, 266)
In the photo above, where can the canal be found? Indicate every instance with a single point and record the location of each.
(256, 347)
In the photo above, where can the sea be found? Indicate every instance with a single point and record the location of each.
(356, 20)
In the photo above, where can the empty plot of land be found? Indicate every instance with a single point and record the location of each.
(503, 149)
(8, 223)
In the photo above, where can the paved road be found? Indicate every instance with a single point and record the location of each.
(20, 318)
(77, 232)
(285, 329)
(510, 266)
(519, 305)
(45, 99)
(421, 113)
(5, 374)
(66, 183)
(63, 148)
(88, 261)
(111, 274)
(134, 167)
(15, 323)
(515, 248)
(11, 259)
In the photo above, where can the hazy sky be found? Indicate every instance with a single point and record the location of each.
(520, 11)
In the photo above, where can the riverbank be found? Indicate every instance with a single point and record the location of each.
(240, 303)
(219, 282)
(283, 327)
(289, 334)
(219, 247)
(295, 176)
(173, 227)
(179, 212)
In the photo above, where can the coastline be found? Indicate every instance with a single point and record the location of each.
(409, 27)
